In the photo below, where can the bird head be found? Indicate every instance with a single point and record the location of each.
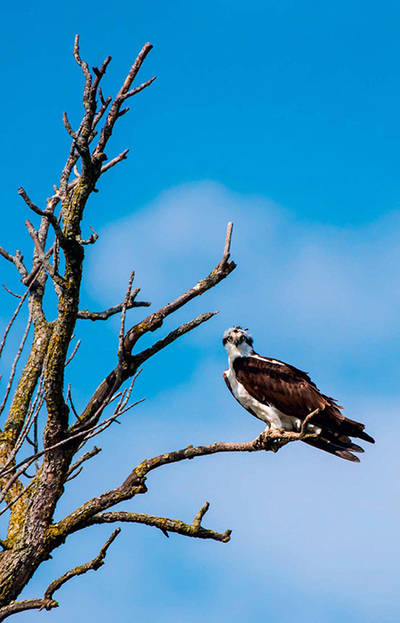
(238, 342)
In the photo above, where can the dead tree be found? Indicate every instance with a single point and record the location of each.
(40, 412)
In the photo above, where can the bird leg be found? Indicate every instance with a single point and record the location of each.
(273, 439)
(270, 439)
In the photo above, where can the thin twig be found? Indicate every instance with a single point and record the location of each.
(83, 458)
(128, 296)
(85, 314)
(17, 497)
(171, 337)
(91, 240)
(31, 419)
(114, 161)
(57, 279)
(73, 353)
(87, 433)
(17, 296)
(45, 214)
(69, 398)
(17, 260)
(13, 317)
(14, 365)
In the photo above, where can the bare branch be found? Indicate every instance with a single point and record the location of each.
(37, 267)
(86, 434)
(121, 96)
(6, 255)
(83, 458)
(73, 353)
(13, 317)
(171, 337)
(17, 296)
(142, 86)
(94, 565)
(128, 296)
(14, 365)
(47, 603)
(99, 73)
(17, 260)
(114, 161)
(84, 314)
(68, 127)
(44, 213)
(57, 279)
(27, 604)
(81, 63)
(104, 105)
(91, 240)
(199, 516)
(31, 419)
(164, 524)
(75, 475)
(227, 246)
(306, 421)
(69, 398)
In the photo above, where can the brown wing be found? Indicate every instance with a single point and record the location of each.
(288, 389)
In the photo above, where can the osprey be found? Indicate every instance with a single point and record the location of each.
(282, 396)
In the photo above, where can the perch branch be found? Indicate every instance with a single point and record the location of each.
(134, 484)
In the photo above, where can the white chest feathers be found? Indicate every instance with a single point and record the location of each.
(265, 412)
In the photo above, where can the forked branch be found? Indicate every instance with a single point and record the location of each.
(195, 529)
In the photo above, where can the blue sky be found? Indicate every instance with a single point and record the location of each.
(283, 117)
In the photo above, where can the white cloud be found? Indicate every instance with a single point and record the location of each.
(329, 283)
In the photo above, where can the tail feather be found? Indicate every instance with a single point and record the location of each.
(332, 448)
(340, 426)
(366, 437)
(354, 429)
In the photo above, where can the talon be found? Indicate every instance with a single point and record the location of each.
(261, 440)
